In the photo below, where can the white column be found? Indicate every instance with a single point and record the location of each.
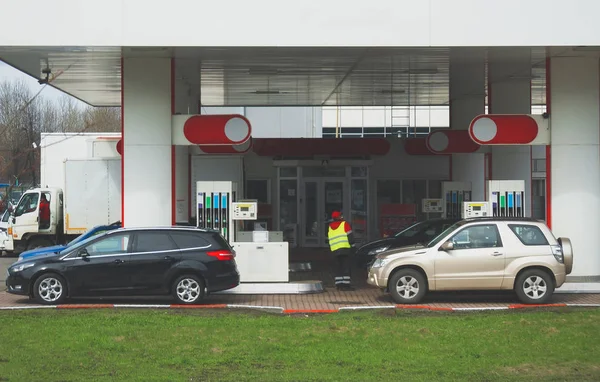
(467, 100)
(147, 142)
(575, 169)
(509, 89)
(187, 101)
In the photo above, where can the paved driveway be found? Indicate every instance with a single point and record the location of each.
(5, 262)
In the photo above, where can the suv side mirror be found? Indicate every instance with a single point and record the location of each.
(83, 254)
(447, 246)
(14, 220)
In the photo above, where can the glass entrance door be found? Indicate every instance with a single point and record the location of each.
(321, 198)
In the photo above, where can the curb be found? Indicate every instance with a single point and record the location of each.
(281, 310)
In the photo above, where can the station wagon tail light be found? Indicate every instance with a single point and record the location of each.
(222, 255)
(558, 253)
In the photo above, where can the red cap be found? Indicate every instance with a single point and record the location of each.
(336, 215)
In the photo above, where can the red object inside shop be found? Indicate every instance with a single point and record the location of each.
(393, 218)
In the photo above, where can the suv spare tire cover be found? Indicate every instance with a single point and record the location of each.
(567, 250)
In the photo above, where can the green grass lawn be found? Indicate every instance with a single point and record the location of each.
(185, 345)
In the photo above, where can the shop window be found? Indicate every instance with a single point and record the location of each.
(258, 189)
(413, 192)
(538, 201)
(388, 191)
(358, 209)
(435, 189)
(359, 172)
(288, 202)
(288, 172)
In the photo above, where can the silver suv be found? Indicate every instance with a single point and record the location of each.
(478, 254)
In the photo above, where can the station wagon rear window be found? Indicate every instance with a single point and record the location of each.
(529, 234)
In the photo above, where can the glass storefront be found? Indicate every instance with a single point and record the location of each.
(307, 195)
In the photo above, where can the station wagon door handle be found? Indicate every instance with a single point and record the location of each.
(496, 254)
(168, 258)
(119, 261)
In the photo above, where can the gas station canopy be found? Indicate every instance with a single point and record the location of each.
(292, 76)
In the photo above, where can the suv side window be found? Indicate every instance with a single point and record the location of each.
(529, 234)
(477, 236)
(154, 242)
(189, 240)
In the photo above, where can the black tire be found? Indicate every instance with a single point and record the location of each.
(50, 289)
(529, 285)
(39, 242)
(407, 278)
(194, 291)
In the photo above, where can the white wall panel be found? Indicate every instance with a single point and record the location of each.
(270, 23)
(285, 122)
(575, 167)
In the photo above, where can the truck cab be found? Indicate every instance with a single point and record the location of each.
(27, 229)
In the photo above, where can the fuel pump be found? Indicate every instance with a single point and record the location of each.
(454, 195)
(507, 197)
(213, 203)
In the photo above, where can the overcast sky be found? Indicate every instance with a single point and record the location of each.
(8, 73)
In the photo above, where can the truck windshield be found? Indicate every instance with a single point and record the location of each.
(28, 203)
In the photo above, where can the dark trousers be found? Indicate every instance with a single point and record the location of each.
(342, 274)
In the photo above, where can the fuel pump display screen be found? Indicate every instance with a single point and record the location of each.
(245, 211)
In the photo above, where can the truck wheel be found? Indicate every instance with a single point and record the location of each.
(188, 289)
(50, 289)
(407, 286)
(39, 242)
(534, 286)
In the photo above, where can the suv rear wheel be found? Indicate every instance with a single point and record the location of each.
(407, 286)
(188, 289)
(534, 286)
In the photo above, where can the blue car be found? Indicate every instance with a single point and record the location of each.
(40, 252)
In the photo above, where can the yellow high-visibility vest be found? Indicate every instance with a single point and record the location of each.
(338, 238)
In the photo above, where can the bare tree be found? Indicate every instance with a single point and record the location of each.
(24, 116)
(103, 119)
(21, 116)
(70, 116)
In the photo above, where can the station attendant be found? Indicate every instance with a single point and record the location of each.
(341, 242)
(44, 213)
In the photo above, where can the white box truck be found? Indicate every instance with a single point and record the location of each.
(89, 196)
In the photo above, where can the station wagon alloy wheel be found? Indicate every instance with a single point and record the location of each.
(50, 288)
(188, 290)
(535, 287)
